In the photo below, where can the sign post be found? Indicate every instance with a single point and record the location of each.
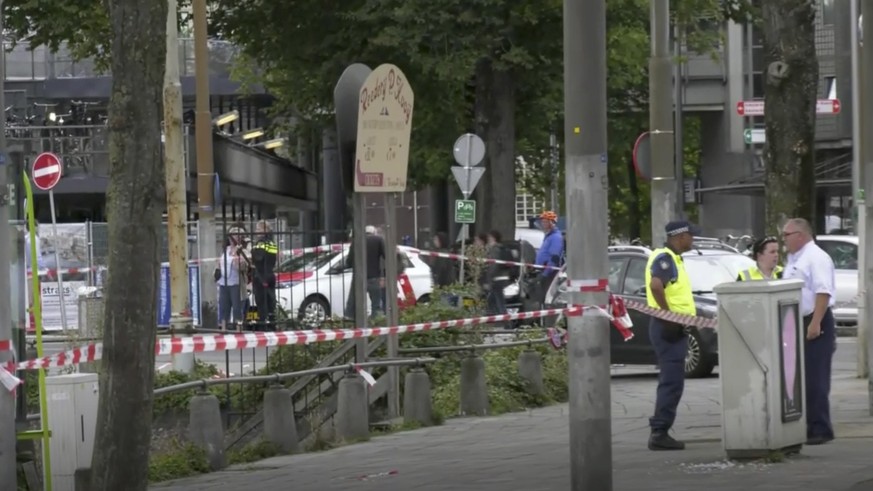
(46, 173)
(469, 150)
(385, 106)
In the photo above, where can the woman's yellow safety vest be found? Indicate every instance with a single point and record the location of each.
(756, 274)
(678, 293)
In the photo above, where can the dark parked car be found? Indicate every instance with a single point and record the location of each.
(706, 267)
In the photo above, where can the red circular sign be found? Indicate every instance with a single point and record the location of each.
(47, 170)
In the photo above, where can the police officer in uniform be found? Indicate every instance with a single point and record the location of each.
(765, 252)
(668, 288)
(264, 255)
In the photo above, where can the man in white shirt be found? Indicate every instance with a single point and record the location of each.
(808, 262)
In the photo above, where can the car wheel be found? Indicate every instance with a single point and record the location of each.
(423, 299)
(314, 311)
(696, 364)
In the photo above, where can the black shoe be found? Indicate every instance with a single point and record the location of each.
(660, 440)
(818, 440)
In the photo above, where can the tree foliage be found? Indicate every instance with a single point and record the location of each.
(135, 201)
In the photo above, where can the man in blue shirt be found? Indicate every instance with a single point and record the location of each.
(551, 253)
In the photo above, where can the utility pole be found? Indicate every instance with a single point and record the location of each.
(8, 464)
(586, 188)
(174, 161)
(205, 166)
(857, 187)
(661, 122)
(866, 180)
(678, 142)
(392, 312)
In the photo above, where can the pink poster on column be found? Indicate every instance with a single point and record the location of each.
(791, 342)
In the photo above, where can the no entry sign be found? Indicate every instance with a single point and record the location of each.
(47, 170)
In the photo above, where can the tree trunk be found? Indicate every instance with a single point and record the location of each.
(791, 88)
(135, 201)
(495, 122)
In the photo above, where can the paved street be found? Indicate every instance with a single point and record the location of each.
(528, 451)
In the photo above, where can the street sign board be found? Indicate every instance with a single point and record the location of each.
(469, 150)
(756, 108)
(465, 211)
(467, 177)
(756, 135)
(46, 171)
(384, 125)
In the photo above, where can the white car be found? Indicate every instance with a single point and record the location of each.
(843, 249)
(314, 287)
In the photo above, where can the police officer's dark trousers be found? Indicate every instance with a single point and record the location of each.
(819, 353)
(671, 346)
(265, 296)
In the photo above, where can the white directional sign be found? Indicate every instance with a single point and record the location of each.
(756, 135)
(756, 108)
(468, 178)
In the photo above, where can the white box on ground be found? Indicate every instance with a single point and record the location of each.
(72, 414)
(760, 346)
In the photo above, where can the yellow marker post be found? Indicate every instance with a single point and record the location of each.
(43, 433)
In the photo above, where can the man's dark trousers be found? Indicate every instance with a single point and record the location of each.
(671, 377)
(818, 354)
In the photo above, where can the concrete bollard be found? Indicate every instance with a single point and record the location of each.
(530, 368)
(417, 401)
(474, 392)
(205, 428)
(352, 413)
(280, 427)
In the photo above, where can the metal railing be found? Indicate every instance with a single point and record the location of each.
(280, 377)
(471, 347)
(38, 63)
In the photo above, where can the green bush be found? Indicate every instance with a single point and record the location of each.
(177, 461)
(178, 401)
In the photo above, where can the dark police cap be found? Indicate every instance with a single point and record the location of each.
(677, 227)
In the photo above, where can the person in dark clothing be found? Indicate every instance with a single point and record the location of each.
(264, 255)
(375, 257)
(496, 277)
(442, 268)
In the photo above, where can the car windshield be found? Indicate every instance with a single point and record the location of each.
(706, 271)
(307, 262)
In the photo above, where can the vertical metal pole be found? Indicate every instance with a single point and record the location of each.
(58, 270)
(553, 162)
(866, 168)
(205, 165)
(858, 198)
(678, 143)
(415, 218)
(391, 312)
(8, 464)
(359, 215)
(465, 228)
(586, 188)
(661, 122)
(174, 172)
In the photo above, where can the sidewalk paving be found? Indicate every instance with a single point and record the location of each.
(529, 451)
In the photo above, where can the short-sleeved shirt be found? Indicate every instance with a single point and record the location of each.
(664, 268)
(816, 268)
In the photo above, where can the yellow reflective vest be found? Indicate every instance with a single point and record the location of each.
(678, 292)
(756, 274)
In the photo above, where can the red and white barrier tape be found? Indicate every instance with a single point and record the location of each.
(448, 255)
